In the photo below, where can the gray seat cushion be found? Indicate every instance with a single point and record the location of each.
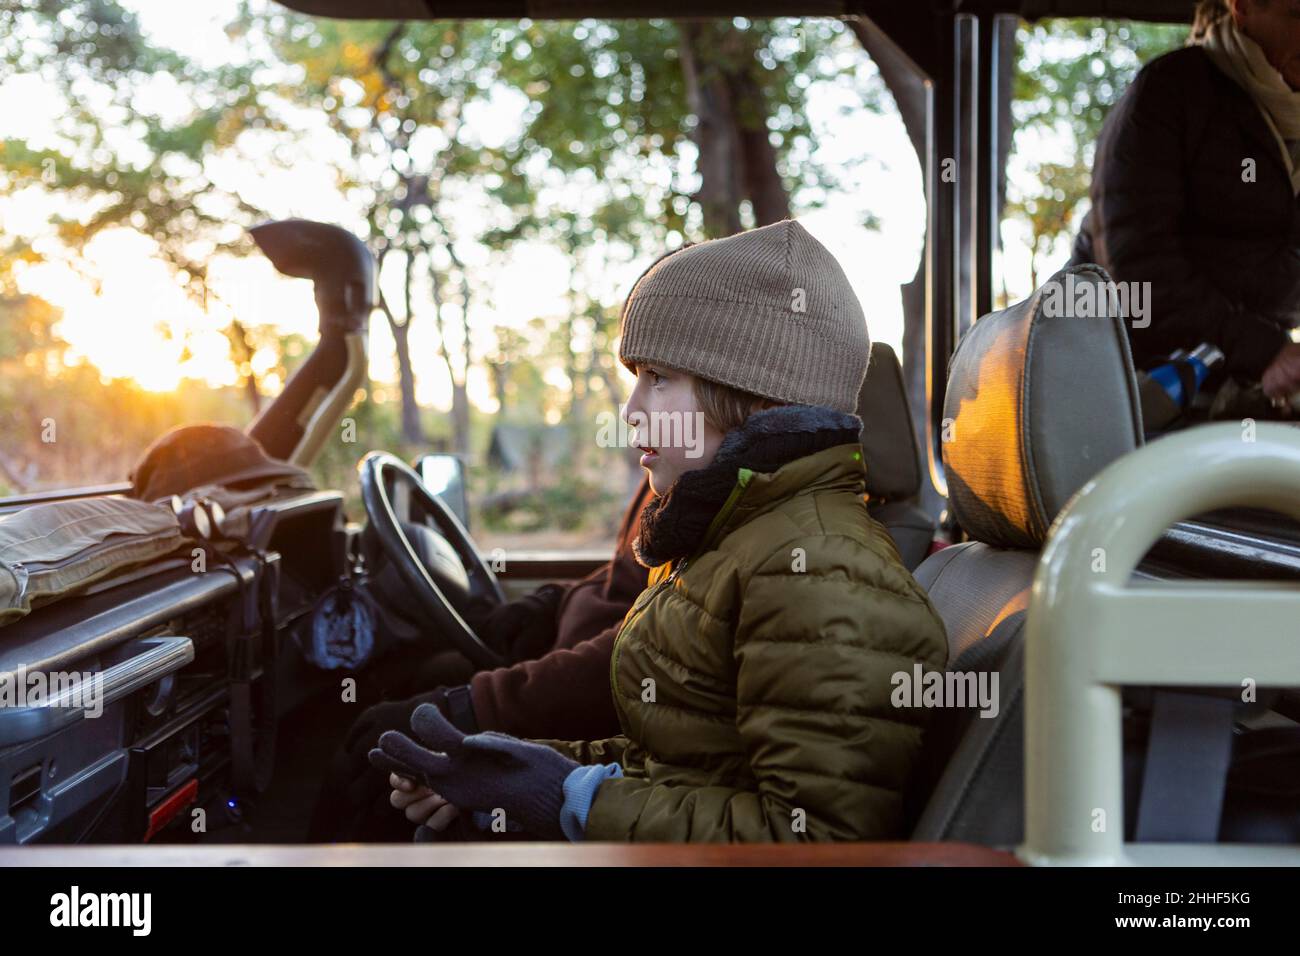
(973, 770)
(975, 588)
(888, 438)
(911, 529)
(890, 456)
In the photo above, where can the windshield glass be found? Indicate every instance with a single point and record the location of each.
(512, 179)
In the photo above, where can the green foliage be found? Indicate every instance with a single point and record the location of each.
(27, 329)
(1072, 71)
(1069, 73)
(606, 99)
(567, 506)
(72, 39)
(95, 44)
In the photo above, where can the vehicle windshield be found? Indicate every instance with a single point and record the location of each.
(512, 178)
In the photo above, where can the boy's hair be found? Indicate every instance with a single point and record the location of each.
(725, 407)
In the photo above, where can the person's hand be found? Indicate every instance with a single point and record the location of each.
(420, 804)
(486, 771)
(519, 630)
(1282, 377)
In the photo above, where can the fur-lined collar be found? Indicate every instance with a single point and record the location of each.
(674, 524)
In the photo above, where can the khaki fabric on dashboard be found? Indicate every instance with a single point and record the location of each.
(50, 550)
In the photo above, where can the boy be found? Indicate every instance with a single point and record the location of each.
(752, 678)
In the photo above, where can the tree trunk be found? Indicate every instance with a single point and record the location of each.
(459, 389)
(412, 433)
(500, 376)
(1006, 27)
(909, 96)
(254, 396)
(460, 417)
(13, 475)
(459, 394)
(737, 160)
(759, 178)
(411, 430)
(239, 337)
(709, 96)
(576, 417)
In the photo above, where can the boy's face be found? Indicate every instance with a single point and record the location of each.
(668, 426)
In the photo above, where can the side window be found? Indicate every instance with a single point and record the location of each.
(1068, 74)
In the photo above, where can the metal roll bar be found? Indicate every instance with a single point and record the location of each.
(1089, 633)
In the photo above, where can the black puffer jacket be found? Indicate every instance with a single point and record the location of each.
(1170, 207)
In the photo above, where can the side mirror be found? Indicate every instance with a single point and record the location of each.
(444, 476)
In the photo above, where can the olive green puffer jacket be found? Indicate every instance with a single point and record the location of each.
(753, 679)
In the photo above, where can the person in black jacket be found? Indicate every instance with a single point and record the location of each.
(1195, 191)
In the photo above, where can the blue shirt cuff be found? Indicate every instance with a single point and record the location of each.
(580, 788)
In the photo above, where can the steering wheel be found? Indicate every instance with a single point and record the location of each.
(447, 574)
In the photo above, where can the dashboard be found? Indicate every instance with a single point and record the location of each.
(172, 682)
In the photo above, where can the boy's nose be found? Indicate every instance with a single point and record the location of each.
(636, 420)
(632, 410)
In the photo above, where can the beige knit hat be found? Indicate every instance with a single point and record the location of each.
(767, 311)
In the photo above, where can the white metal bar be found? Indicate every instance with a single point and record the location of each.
(1087, 633)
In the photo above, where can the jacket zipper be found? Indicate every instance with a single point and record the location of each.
(728, 506)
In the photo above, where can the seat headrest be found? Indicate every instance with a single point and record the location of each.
(888, 439)
(1041, 397)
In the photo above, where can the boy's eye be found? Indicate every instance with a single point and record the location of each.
(655, 377)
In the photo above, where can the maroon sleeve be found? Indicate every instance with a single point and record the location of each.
(565, 695)
(600, 600)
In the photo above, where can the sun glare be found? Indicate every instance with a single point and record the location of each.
(124, 313)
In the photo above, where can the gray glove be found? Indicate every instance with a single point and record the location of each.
(484, 771)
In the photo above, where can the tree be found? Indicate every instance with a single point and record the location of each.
(737, 161)
(721, 100)
(676, 130)
(165, 195)
(397, 96)
(29, 347)
(1070, 72)
(161, 189)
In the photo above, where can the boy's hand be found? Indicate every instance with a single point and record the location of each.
(421, 804)
(485, 771)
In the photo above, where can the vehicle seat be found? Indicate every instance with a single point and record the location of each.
(1036, 405)
(892, 461)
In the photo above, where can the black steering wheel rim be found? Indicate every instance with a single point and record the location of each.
(374, 468)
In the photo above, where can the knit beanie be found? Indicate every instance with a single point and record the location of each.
(768, 311)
